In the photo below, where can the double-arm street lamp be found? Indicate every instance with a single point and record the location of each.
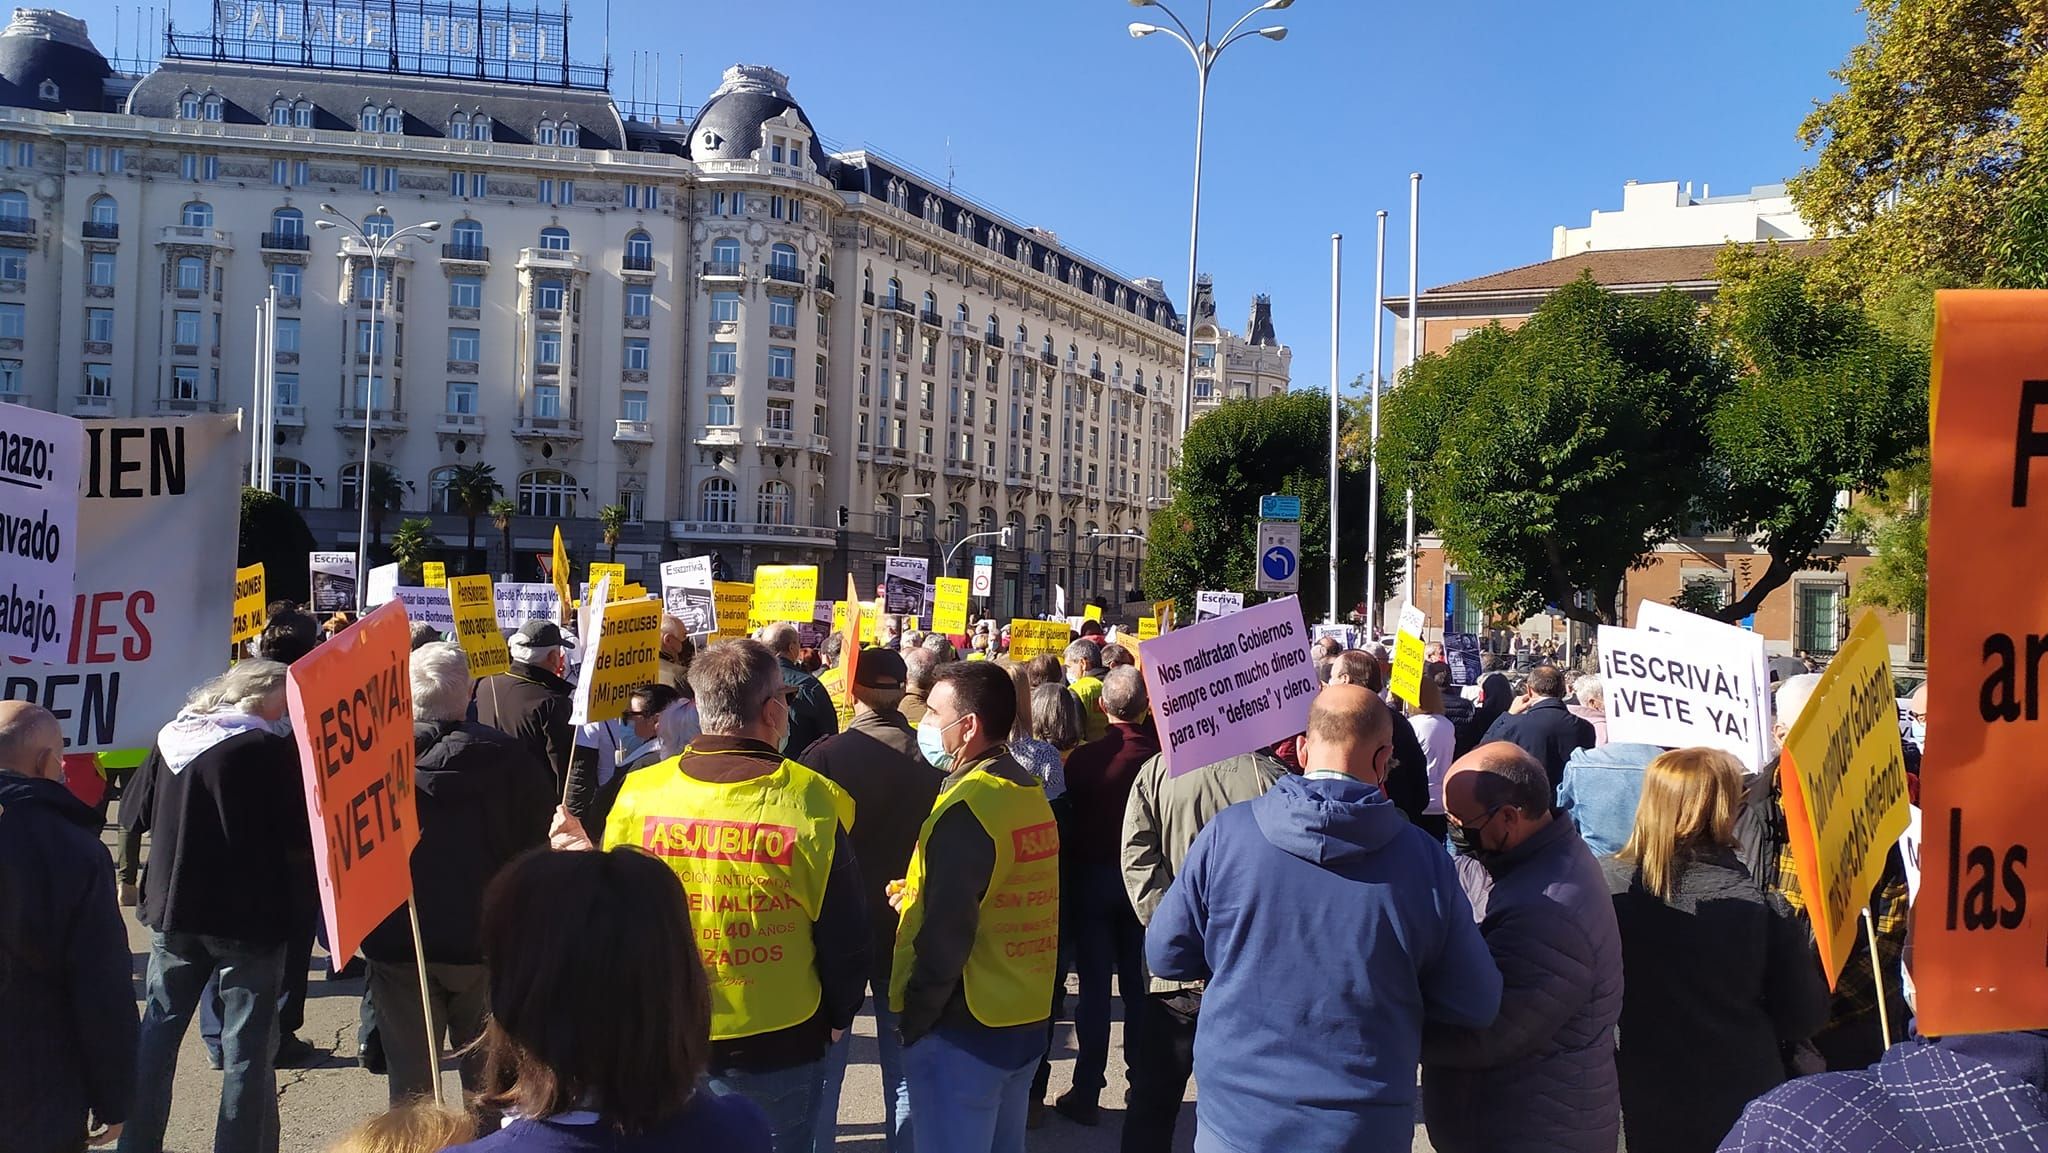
(1095, 540)
(378, 242)
(1204, 51)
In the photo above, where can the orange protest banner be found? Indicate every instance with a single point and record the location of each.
(351, 710)
(1978, 943)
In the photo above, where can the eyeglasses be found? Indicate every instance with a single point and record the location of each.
(1483, 821)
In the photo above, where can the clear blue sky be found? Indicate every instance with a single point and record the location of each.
(1521, 116)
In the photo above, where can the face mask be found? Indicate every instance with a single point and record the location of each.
(1465, 842)
(1918, 731)
(931, 741)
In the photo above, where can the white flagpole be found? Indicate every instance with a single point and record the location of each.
(1336, 299)
(1372, 511)
(267, 340)
(1414, 351)
(256, 404)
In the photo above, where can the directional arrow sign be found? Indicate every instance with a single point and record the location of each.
(1279, 557)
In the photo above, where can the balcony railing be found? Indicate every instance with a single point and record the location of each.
(479, 253)
(90, 404)
(724, 269)
(191, 234)
(867, 296)
(632, 431)
(992, 340)
(786, 273)
(901, 305)
(824, 284)
(100, 230)
(548, 426)
(1095, 374)
(637, 262)
(929, 318)
(290, 415)
(18, 225)
(467, 423)
(286, 241)
(806, 534)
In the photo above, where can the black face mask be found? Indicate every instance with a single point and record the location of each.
(1465, 842)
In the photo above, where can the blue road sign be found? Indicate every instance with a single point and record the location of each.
(1272, 507)
(1278, 562)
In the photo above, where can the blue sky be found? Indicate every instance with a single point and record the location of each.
(1521, 116)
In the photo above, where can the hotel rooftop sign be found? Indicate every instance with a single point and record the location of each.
(419, 37)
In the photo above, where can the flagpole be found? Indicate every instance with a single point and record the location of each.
(1414, 351)
(1336, 299)
(1372, 510)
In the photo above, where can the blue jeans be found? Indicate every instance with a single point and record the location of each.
(895, 1090)
(789, 1097)
(1108, 939)
(962, 1103)
(250, 977)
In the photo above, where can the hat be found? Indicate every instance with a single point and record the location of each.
(540, 633)
(879, 669)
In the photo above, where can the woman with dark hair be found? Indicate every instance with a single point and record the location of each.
(1495, 695)
(600, 1026)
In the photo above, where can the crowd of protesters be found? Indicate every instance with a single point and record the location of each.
(657, 932)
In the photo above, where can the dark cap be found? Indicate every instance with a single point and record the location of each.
(540, 634)
(880, 669)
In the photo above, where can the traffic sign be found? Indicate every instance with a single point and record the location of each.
(1274, 507)
(984, 575)
(1279, 557)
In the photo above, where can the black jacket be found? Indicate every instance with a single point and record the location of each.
(1713, 981)
(1408, 774)
(482, 800)
(876, 761)
(812, 716)
(67, 1009)
(1547, 731)
(230, 852)
(532, 705)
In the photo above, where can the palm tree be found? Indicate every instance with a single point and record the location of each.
(387, 494)
(501, 512)
(471, 489)
(612, 520)
(411, 543)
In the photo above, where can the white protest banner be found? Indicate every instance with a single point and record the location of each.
(1663, 618)
(42, 457)
(903, 585)
(334, 581)
(811, 634)
(1676, 691)
(142, 634)
(1344, 634)
(1231, 685)
(686, 594)
(383, 586)
(518, 603)
(1210, 605)
(427, 606)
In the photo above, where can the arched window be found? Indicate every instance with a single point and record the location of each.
(568, 134)
(458, 126)
(438, 482)
(1119, 370)
(994, 328)
(639, 250)
(921, 520)
(480, 127)
(825, 265)
(292, 480)
(1095, 362)
(104, 210)
(782, 256)
(773, 504)
(1046, 346)
(887, 515)
(895, 290)
(394, 120)
(1073, 351)
(378, 227)
(351, 480)
(960, 312)
(195, 214)
(956, 521)
(545, 134)
(931, 209)
(554, 239)
(1023, 334)
(281, 113)
(984, 520)
(867, 282)
(468, 235)
(288, 222)
(1067, 533)
(547, 492)
(931, 304)
(188, 105)
(721, 503)
(302, 114)
(213, 106)
(367, 120)
(192, 273)
(1041, 533)
(726, 251)
(965, 223)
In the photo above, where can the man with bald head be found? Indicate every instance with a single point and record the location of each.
(67, 1008)
(1321, 866)
(1542, 1075)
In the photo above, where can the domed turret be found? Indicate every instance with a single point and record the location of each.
(728, 127)
(47, 61)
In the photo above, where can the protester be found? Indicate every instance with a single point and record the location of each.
(1986, 1093)
(1540, 725)
(1109, 937)
(416, 1127)
(1054, 719)
(230, 866)
(1045, 669)
(1321, 1060)
(941, 646)
(1600, 789)
(1716, 974)
(1117, 655)
(1541, 1076)
(774, 1012)
(1160, 823)
(1854, 1037)
(1495, 695)
(481, 798)
(1438, 740)
(1039, 758)
(646, 709)
(920, 667)
(531, 701)
(1082, 666)
(811, 714)
(67, 1007)
(600, 1031)
(876, 761)
(972, 991)
(1457, 709)
(1589, 704)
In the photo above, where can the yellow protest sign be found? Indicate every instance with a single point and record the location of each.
(625, 652)
(785, 592)
(558, 572)
(630, 592)
(602, 569)
(434, 574)
(870, 623)
(1092, 613)
(1162, 615)
(249, 603)
(949, 605)
(1148, 627)
(730, 600)
(1030, 638)
(1844, 777)
(475, 608)
(1408, 657)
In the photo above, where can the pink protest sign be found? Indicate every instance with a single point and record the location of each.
(1231, 684)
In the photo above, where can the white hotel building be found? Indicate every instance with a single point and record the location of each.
(706, 318)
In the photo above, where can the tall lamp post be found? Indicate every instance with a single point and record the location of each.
(901, 501)
(378, 246)
(1095, 540)
(1205, 51)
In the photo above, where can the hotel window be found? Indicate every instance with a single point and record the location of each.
(188, 106)
(191, 274)
(188, 166)
(633, 405)
(185, 383)
(782, 311)
(367, 120)
(547, 295)
(394, 120)
(544, 190)
(639, 300)
(369, 181)
(781, 415)
(99, 380)
(370, 339)
(302, 114)
(209, 168)
(569, 135)
(463, 344)
(547, 348)
(287, 389)
(461, 399)
(724, 358)
(547, 402)
(184, 326)
(287, 334)
(554, 239)
(281, 113)
(99, 325)
(546, 133)
(547, 493)
(718, 411)
(10, 377)
(466, 292)
(725, 307)
(721, 502)
(636, 354)
(781, 362)
(99, 269)
(213, 106)
(818, 420)
(775, 207)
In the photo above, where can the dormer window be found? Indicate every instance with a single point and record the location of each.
(899, 195)
(368, 120)
(188, 106)
(302, 114)
(394, 120)
(47, 91)
(458, 126)
(212, 106)
(932, 209)
(281, 113)
(546, 133)
(568, 134)
(480, 128)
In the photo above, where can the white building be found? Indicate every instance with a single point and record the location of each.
(759, 350)
(1666, 214)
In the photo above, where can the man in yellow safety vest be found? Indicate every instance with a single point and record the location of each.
(979, 936)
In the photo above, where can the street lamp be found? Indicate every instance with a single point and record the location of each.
(378, 246)
(1096, 538)
(906, 498)
(1204, 53)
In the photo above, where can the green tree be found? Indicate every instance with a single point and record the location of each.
(413, 543)
(1823, 403)
(275, 535)
(1892, 520)
(1205, 537)
(386, 495)
(471, 489)
(611, 521)
(502, 512)
(1555, 458)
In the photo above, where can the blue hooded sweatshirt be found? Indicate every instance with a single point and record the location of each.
(1329, 929)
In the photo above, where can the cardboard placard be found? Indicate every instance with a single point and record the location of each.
(250, 602)
(1672, 690)
(601, 569)
(1659, 617)
(623, 654)
(903, 584)
(430, 607)
(1148, 627)
(1406, 680)
(1209, 605)
(42, 460)
(1091, 612)
(1030, 638)
(949, 605)
(519, 602)
(434, 574)
(686, 594)
(478, 628)
(1227, 686)
(333, 577)
(784, 592)
(383, 586)
(734, 601)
